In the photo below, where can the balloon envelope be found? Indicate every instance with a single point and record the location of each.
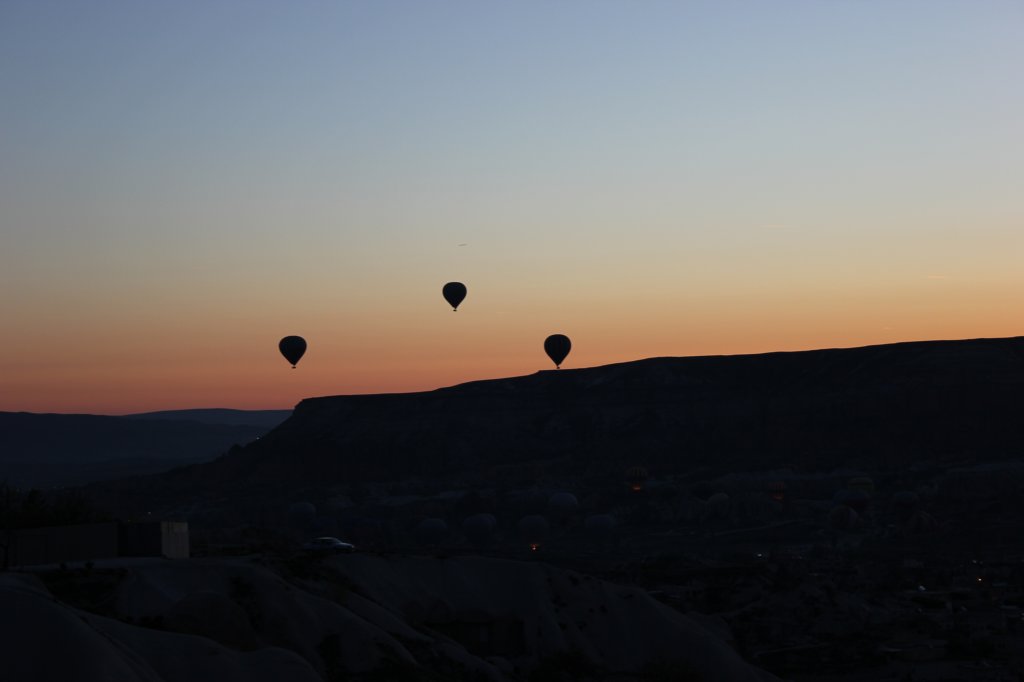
(561, 506)
(921, 522)
(557, 346)
(843, 517)
(479, 528)
(454, 293)
(431, 531)
(292, 348)
(636, 477)
(533, 528)
(857, 500)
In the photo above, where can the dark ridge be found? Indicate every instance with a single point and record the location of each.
(266, 419)
(876, 407)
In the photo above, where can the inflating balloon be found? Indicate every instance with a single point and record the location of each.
(292, 348)
(431, 531)
(534, 530)
(557, 346)
(454, 293)
(479, 528)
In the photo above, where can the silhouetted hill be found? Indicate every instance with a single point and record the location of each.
(877, 407)
(46, 450)
(266, 419)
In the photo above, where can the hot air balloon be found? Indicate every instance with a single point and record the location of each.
(557, 346)
(479, 528)
(777, 489)
(843, 517)
(302, 515)
(292, 348)
(454, 293)
(905, 503)
(862, 483)
(717, 506)
(920, 522)
(636, 477)
(561, 506)
(431, 531)
(857, 500)
(534, 530)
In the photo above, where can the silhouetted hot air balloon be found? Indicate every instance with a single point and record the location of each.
(557, 346)
(292, 348)
(454, 293)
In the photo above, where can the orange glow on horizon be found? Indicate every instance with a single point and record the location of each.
(258, 378)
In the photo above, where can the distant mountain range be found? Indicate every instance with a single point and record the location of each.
(46, 450)
(879, 408)
(264, 418)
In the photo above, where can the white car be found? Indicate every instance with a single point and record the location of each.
(328, 546)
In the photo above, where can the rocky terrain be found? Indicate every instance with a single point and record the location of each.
(348, 617)
(840, 514)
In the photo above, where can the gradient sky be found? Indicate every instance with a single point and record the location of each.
(184, 183)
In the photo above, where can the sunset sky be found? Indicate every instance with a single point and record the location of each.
(184, 183)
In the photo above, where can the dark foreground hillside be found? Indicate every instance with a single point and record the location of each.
(845, 515)
(356, 617)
